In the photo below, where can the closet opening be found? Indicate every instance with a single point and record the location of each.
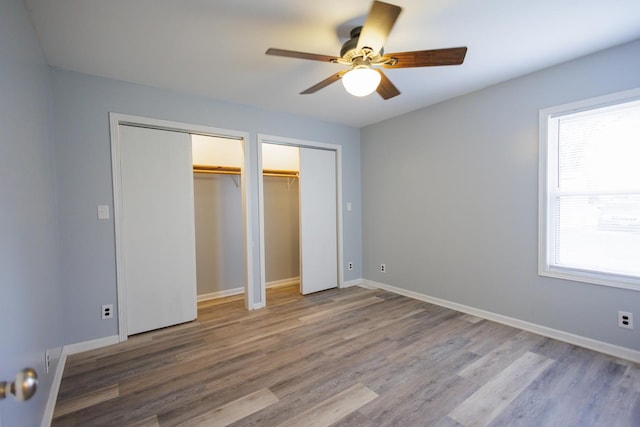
(281, 204)
(217, 168)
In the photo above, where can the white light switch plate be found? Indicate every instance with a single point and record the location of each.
(348, 206)
(103, 212)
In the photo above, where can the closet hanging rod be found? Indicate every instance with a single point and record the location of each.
(279, 172)
(227, 170)
(230, 170)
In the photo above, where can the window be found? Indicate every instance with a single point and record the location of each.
(590, 191)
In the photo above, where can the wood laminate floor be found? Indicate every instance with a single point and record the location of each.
(345, 357)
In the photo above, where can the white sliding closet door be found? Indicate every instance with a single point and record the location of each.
(318, 220)
(158, 228)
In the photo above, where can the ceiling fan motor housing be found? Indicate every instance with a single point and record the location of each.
(348, 51)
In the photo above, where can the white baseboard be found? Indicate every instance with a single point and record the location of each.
(47, 417)
(220, 294)
(240, 290)
(354, 282)
(57, 378)
(90, 345)
(258, 306)
(283, 282)
(591, 344)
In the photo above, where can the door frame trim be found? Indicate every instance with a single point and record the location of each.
(117, 119)
(279, 140)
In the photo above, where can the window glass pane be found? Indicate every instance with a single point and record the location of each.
(598, 233)
(600, 150)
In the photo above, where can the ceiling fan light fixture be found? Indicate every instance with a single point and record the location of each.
(365, 48)
(361, 81)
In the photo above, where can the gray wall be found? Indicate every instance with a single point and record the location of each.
(281, 228)
(29, 285)
(455, 217)
(218, 220)
(87, 247)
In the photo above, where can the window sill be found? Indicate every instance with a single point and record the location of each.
(590, 277)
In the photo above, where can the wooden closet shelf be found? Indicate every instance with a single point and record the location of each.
(278, 172)
(230, 170)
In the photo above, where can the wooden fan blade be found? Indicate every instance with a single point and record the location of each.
(377, 26)
(326, 82)
(300, 55)
(386, 89)
(427, 58)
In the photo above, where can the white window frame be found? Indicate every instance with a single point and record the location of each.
(548, 128)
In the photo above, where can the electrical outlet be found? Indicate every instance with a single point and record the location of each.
(47, 361)
(107, 311)
(383, 268)
(350, 265)
(625, 319)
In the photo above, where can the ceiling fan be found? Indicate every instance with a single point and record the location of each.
(364, 50)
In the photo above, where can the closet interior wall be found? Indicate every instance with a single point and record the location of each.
(281, 229)
(218, 222)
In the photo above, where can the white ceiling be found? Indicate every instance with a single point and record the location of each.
(215, 48)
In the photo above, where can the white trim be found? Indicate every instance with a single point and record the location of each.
(57, 378)
(115, 120)
(354, 282)
(595, 278)
(114, 123)
(220, 294)
(589, 343)
(245, 190)
(283, 282)
(90, 345)
(240, 290)
(263, 277)
(543, 202)
(589, 103)
(279, 140)
(47, 417)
